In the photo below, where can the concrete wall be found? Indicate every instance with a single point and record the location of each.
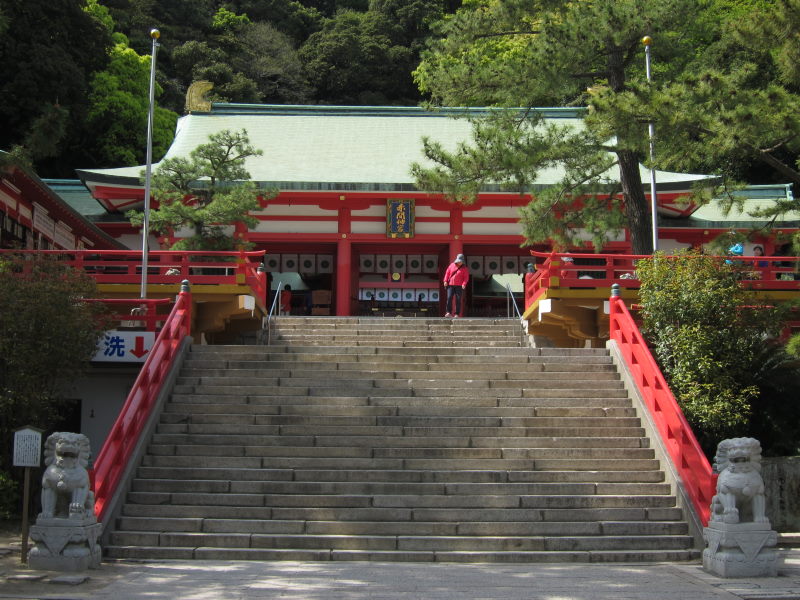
(782, 480)
(102, 392)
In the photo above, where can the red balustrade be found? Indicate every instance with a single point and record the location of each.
(166, 266)
(113, 457)
(143, 313)
(581, 271)
(679, 440)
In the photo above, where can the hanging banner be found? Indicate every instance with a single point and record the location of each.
(400, 218)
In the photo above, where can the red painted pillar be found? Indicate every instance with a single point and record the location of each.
(343, 276)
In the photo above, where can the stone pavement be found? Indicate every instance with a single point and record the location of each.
(212, 580)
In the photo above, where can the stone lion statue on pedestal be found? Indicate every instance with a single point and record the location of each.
(740, 488)
(65, 483)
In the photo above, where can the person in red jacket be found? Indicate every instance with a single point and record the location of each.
(455, 282)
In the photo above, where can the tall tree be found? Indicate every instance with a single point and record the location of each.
(521, 53)
(47, 337)
(734, 110)
(205, 193)
(45, 67)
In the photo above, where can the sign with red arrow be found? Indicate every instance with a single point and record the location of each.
(124, 346)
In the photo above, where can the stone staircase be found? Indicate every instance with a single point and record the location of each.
(400, 440)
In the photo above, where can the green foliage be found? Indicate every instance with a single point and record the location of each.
(518, 53)
(227, 21)
(47, 336)
(716, 348)
(45, 68)
(793, 345)
(353, 60)
(9, 496)
(120, 99)
(205, 192)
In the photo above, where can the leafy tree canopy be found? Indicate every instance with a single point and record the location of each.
(517, 53)
(45, 67)
(205, 192)
(119, 107)
(717, 349)
(47, 336)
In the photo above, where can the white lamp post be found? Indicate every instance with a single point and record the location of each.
(647, 41)
(154, 34)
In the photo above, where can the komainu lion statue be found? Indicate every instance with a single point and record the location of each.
(740, 489)
(65, 483)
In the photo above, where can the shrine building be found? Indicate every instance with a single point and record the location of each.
(348, 219)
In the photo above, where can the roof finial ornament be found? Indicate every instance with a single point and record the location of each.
(196, 100)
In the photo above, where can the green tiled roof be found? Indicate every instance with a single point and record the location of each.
(345, 148)
(755, 197)
(75, 194)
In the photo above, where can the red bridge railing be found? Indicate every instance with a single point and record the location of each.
(679, 439)
(167, 266)
(576, 271)
(109, 466)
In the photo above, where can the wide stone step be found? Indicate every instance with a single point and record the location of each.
(536, 417)
(314, 502)
(396, 488)
(438, 515)
(418, 362)
(186, 413)
(273, 376)
(277, 462)
(401, 542)
(206, 553)
(334, 444)
(399, 476)
(401, 528)
(186, 405)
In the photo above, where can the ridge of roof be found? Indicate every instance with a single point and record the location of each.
(231, 108)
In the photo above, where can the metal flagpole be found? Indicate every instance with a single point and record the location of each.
(647, 41)
(154, 34)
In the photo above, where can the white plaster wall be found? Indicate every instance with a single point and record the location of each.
(290, 210)
(297, 227)
(368, 227)
(493, 212)
(427, 211)
(372, 211)
(510, 229)
(432, 228)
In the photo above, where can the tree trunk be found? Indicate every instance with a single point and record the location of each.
(637, 209)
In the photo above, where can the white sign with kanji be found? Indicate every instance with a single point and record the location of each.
(27, 447)
(124, 346)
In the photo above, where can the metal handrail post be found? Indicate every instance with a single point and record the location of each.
(272, 310)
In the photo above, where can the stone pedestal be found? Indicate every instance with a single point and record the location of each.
(740, 549)
(65, 544)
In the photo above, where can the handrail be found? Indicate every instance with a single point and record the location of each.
(512, 301)
(168, 267)
(509, 303)
(121, 441)
(679, 439)
(272, 310)
(576, 271)
(149, 317)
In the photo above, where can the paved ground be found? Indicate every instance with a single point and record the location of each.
(212, 580)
